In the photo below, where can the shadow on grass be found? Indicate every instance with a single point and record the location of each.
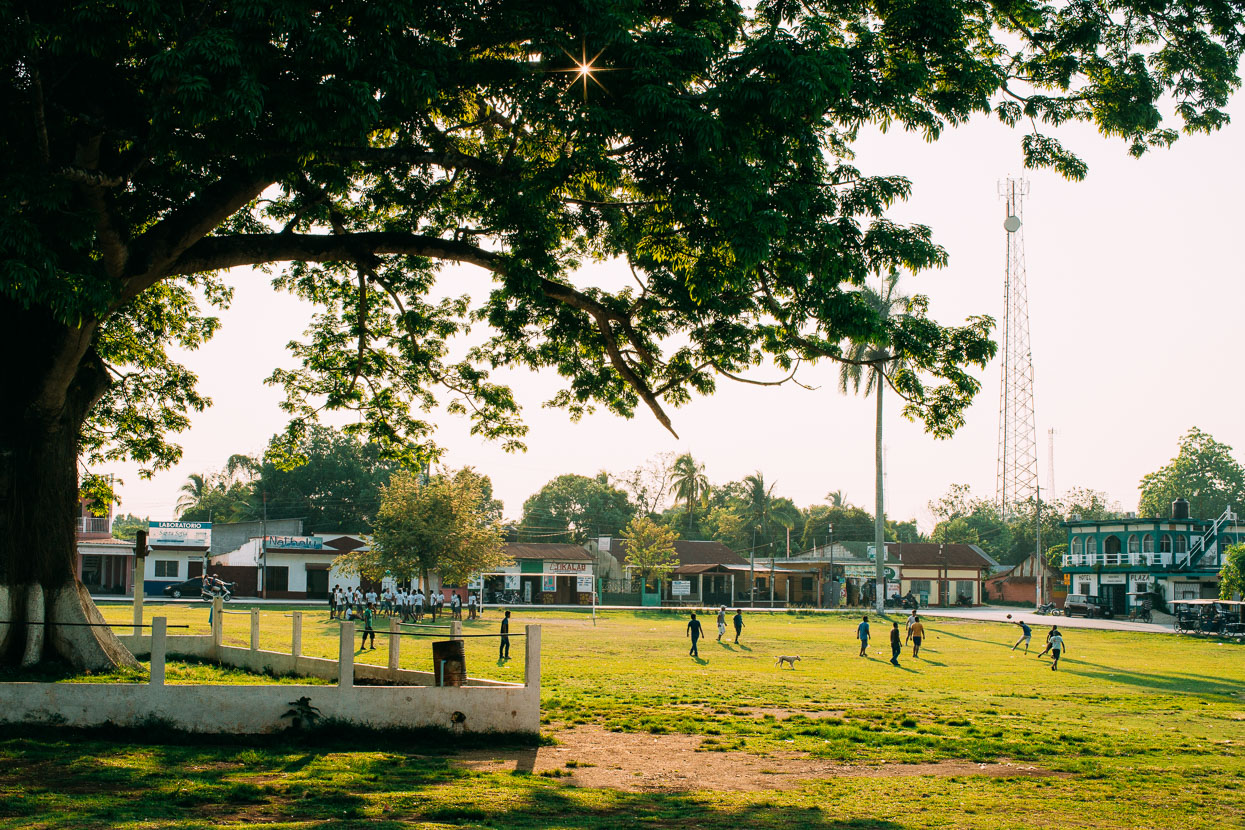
(207, 785)
(1185, 684)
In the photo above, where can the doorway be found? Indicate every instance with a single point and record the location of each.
(318, 584)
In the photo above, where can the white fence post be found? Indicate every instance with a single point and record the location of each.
(218, 624)
(345, 657)
(456, 629)
(158, 646)
(531, 656)
(254, 629)
(296, 637)
(395, 644)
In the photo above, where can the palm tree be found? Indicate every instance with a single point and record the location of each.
(836, 497)
(690, 483)
(193, 492)
(873, 355)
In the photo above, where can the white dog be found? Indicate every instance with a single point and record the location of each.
(790, 661)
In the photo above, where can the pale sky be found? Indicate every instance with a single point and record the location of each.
(1131, 286)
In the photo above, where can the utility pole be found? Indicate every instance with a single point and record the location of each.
(1039, 566)
(752, 571)
(263, 545)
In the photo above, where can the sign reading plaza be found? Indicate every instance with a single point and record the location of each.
(186, 535)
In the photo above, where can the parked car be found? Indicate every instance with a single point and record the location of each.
(192, 587)
(1086, 606)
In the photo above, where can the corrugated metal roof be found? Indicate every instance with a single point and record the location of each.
(560, 552)
(692, 553)
(929, 554)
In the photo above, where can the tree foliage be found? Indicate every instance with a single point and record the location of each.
(127, 524)
(369, 143)
(1232, 575)
(1204, 471)
(574, 508)
(650, 548)
(448, 524)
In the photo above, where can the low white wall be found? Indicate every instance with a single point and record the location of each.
(258, 709)
(480, 706)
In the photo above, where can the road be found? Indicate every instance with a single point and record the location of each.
(991, 613)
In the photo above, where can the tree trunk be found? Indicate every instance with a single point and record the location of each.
(879, 515)
(44, 610)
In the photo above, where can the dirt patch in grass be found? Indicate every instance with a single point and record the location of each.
(782, 714)
(588, 756)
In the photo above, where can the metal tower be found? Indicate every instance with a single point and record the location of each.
(1017, 471)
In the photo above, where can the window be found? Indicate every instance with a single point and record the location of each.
(806, 583)
(1181, 544)
(1165, 544)
(1134, 544)
(920, 586)
(166, 567)
(1083, 588)
(1076, 545)
(278, 578)
(1147, 544)
(1091, 547)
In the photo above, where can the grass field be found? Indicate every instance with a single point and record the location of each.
(1135, 730)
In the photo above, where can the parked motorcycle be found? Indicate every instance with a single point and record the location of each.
(1048, 608)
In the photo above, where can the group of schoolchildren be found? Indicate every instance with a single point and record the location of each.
(354, 604)
(916, 633)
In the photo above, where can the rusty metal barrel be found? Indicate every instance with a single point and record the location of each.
(449, 663)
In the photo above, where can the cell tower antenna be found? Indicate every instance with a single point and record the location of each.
(1017, 469)
(1050, 463)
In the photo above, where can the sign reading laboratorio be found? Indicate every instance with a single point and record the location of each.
(179, 534)
(868, 571)
(293, 543)
(680, 587)
(583, 584)
(568, 567)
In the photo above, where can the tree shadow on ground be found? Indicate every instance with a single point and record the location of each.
(1195, 685)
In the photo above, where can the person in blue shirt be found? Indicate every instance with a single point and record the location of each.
(1025, 634)
(694, 630)
(862, 634)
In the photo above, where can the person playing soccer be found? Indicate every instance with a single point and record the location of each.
(1025, 634)
(862, 634)
(1056, 648)
(739, 624)
(694, 630)
(918, 634)
(1054, 629)
(721, 623)
(896, 645)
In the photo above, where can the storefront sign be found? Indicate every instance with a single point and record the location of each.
(680, 587)
(512, 582)
(179, 534)
(1113, 579)
(868, 571)
(293, 543)
(583, 584)
(548, 583)
(568, 567)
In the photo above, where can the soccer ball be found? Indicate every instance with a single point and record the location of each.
(1009, 616)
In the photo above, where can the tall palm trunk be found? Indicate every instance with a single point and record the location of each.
(879, 515)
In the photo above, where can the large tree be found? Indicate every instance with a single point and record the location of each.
(1204, 471)
(148, 146)
(444, 524)
(574, 508)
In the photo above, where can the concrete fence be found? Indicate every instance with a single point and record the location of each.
(410, 701)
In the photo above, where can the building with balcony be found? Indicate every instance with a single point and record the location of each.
(1178, 557)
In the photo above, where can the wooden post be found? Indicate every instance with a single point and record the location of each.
(531, 656)
(296, 637)
(456, 629)
(395, 644)
(254, 629)
(158, 645)
(345, 657)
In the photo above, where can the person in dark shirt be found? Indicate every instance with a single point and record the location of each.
(503, 652)
(739, 623)
(694, 630)
(896, 644)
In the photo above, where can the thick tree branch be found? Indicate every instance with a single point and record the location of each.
(154, 254)
(217, 252)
